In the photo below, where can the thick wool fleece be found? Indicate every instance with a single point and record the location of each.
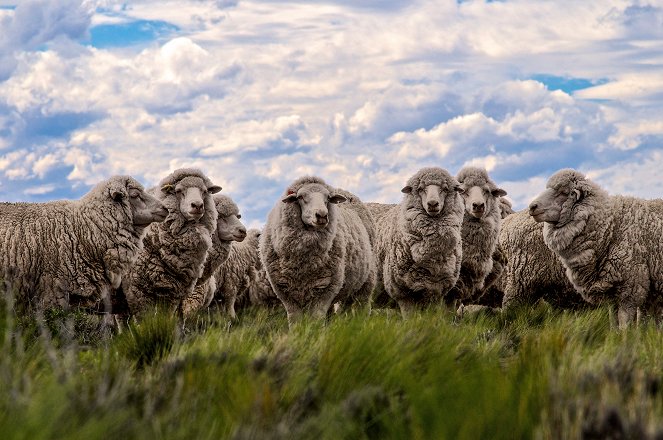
(174, 252)
(532, 271)
(70, 252)
(611, 246)
(207, 284)
(418, 255)
(310, 269)
(233, 277)
(479, 238)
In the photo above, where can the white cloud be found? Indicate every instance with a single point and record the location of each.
(257, 93)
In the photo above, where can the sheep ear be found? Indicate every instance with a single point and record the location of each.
(117, 194)
(337, 198)
(289, 198)
(499, 192)
(406, 189)
(168, 188)
(213, 189)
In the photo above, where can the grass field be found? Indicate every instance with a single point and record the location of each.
(537, 373)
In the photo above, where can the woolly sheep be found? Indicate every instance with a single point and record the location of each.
(234, 276)
(481, 225)
(611, 246)
(174, 251)
(316, 251)
(75, 253)
(532, 271)
(259, 292)
(229, 229)
(418, 242)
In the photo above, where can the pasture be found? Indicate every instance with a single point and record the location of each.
(536, 373)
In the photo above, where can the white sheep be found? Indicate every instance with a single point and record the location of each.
(229, 229)
(315, 251)
(174, 251)
(418, 242)
(75, 253)
(481, 225)
(532, 271)
(235, 275)
(611, 246)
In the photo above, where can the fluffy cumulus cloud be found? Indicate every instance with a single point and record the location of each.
(258, 93)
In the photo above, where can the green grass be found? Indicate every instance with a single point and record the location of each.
(536, 373)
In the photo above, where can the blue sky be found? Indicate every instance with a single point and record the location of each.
(258, 93)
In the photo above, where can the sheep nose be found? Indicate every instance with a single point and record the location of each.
(478, 206)
(198, 205)
(242, 231)
(433, 204)
(321, 218)
(533, 206)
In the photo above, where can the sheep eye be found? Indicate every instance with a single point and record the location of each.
(300, 197)
(239, 216)
(134, 193)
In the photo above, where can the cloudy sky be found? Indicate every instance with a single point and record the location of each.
(258, 93)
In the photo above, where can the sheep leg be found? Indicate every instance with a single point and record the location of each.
(626, 313)
(293, 311)
(229, 305)
(407, 305)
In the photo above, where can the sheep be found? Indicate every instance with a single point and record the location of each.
(174, 251)
(532, 271)
(75, 253)
(316, 251)
(229, 229)
(611, 246)
(259, 291)
(234, 276)
(483, 202)
(418, 242)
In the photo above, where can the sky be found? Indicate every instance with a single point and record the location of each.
(362, 93)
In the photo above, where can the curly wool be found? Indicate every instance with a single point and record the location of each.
(64, 253)
(311, 269)
(532, 271)
(206, 285)
(419, 256)
(233, 277)
(611, 246)
(479, 239)
(174, 252)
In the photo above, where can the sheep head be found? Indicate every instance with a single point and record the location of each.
(479, 192)
(228, 224)
(565, 190)
(316, 202)
(431, 187)
(191, 192)
(145, 208)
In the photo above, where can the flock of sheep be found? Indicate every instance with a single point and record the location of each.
(121, 249)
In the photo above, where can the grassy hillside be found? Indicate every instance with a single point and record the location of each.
(537, 373)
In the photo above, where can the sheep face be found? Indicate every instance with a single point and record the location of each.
(315, 202)
(230, 228)
(480, 199)
(432, 197)
(145, 208)
(555, 204)
(191, 192)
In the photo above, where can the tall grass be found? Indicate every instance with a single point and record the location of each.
(536, 373)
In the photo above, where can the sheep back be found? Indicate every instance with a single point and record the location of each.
(66, 253)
